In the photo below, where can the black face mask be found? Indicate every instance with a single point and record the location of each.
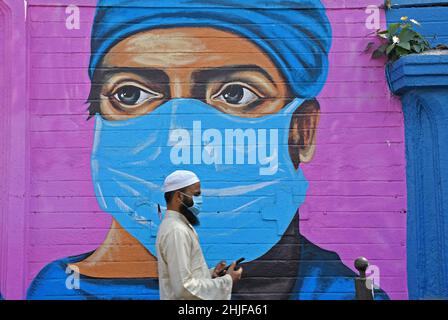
(188, 202)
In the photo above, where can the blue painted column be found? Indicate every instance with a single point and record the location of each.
(422, 83)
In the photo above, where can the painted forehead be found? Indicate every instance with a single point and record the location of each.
(187, 47)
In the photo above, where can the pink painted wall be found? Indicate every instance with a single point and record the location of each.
(14, 156)
(356, 204)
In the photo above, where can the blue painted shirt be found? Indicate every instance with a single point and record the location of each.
(316, 280)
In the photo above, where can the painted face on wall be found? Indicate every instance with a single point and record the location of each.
(211, 101)
(219, 68)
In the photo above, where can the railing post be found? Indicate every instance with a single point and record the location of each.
(363, 286)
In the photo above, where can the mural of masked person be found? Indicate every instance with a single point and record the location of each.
(227, 90)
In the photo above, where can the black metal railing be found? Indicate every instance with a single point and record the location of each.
(363, 285)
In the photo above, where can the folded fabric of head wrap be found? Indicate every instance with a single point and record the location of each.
(295, 34)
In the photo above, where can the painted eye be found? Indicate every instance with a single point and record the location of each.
(236, 94)
(133, 96)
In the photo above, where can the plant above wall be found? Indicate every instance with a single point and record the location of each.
(398, 40)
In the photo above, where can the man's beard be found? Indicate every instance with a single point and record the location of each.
(194, 221)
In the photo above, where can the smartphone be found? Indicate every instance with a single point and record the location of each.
(227, 267)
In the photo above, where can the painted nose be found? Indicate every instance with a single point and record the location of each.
(180, 88)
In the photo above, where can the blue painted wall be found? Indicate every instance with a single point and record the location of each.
(422, 81)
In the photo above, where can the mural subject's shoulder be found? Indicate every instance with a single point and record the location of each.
(56, 282)
(323, 276)
(50, 282)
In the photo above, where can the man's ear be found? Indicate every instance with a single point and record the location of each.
(179, 197)
(302, 132)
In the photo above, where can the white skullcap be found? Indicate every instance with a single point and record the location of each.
(179, 179)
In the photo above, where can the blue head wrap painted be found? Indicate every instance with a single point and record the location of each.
(296, 34)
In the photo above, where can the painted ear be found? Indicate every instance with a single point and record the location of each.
(302, 132)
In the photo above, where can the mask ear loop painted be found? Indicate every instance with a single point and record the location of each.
(294, 105)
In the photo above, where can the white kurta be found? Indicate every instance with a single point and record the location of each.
(183, 272)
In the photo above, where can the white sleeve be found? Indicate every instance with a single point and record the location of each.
(177, 254)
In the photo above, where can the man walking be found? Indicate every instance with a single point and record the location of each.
(183, 272)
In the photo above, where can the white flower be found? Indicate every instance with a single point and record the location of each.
(395, 39)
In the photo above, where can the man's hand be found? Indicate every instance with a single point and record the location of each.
(235, 274)
(219, 267)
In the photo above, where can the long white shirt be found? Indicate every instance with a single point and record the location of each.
(183, 272)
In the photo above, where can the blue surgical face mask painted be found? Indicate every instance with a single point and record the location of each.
(197, 204)
(252, 188)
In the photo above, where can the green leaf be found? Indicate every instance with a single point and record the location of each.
(401, 52)
(380, 51)
(417, 48)
(390, 48)
(383, 47)
(377, 54)
(393, 27)
(404, 45)
(369, 47)
(406, 35)
(419, 38)
(383, 34)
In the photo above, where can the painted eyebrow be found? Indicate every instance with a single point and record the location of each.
(148, 73)
(197, 76)
(210, 73)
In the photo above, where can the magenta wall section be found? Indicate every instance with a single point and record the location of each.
(14, 156)
(355, 206)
